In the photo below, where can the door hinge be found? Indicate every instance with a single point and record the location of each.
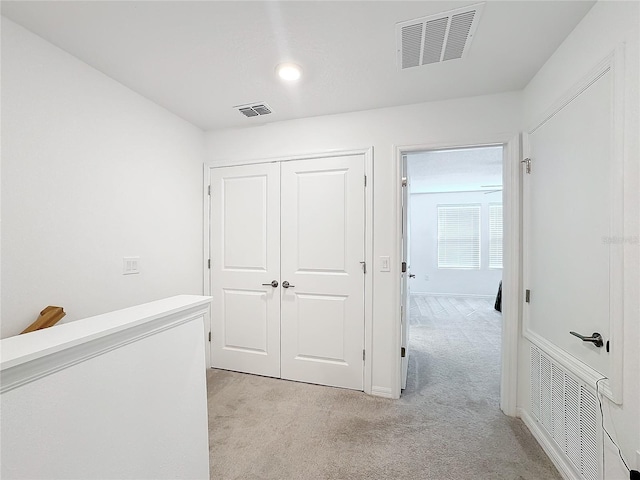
(404, 181)
(209, 190)
(527, 164)
(209, 336)
(403, 352)
(209, 264)
(363, 354)
(365, 180)
(404, 267)
(527, 296)
(364, 267)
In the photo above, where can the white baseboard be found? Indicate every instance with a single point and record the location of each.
(381, 392)
(557, 457)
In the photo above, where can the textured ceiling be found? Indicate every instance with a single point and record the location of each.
(199, 59)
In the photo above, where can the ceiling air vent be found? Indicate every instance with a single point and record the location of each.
(254, 110)
(437, 38)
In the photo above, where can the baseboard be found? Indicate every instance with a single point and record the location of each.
(381, 392)
(557, 457)
(471, 295)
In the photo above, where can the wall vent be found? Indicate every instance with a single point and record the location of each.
(567, 409)
(437, 38)
(254, 110)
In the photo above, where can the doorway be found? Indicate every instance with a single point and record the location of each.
(288, 243)
(453, 245)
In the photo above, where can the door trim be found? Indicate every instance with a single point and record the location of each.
(511, 279)
(368, 238)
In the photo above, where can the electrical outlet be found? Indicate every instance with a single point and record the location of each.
(130, 265)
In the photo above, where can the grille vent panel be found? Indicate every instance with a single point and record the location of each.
(437, 38)
(568, 410)
(254, 110)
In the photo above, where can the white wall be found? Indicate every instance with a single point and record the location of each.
(424, 247)
(91, 172)
(462, 121)
(602, 29)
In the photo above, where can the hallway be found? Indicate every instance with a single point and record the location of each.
(446, 426)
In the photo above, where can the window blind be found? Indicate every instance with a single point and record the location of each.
(495, 235)
(459, 236)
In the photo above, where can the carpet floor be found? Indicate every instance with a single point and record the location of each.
(446, 426)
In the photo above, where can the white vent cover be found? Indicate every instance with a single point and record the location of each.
(568, 411)
(437, 38)
(254, 110)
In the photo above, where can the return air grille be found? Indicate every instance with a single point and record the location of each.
(254, 110)
(568, 411)
(437, 38)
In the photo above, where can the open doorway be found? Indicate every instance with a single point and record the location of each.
(454, 246)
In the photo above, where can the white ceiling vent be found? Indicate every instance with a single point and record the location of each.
(437, 38)
(254, 110)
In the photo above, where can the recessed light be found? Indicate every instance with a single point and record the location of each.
(289, 72)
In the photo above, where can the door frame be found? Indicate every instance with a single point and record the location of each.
(368, 238)
(511, 272)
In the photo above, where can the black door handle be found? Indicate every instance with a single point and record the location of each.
(595, 338)
(286, 284)
(274, 284)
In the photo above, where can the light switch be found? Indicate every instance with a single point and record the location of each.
(385, 264)
(130, 265)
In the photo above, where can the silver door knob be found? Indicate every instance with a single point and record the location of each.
(274, 284)
(595, 338)
(286, 284)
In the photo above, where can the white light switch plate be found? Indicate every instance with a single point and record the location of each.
(130, 265)
(385, 264)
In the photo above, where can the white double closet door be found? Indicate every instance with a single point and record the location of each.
(298, 223)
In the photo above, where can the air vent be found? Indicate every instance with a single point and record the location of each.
(567, 409)
(437, 38)
(254, 110)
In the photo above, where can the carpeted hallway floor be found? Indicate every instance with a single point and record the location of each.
(446, 426)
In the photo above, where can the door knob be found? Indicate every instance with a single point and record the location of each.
(411, 275)
(595, 338)
(286, 284)
(274, 284)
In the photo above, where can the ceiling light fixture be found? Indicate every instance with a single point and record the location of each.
(289, 72)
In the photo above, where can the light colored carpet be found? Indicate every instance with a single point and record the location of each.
(446, 426)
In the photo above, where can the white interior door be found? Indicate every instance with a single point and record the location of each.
(322, 249)
(569, 210)
(245, 259)
(405, 302)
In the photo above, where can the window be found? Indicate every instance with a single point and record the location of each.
(459, 236)
(495, 235)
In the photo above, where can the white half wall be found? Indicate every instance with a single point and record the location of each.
(423, 232)
(91, 173)
(466, 121)
(605, 27)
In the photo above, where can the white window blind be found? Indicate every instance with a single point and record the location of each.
(459, 236)
(495, 235)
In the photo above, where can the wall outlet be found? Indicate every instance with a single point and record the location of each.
(385, 264)
(130, 265)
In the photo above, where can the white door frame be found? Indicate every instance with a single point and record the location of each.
(368, 245)
(511, 273)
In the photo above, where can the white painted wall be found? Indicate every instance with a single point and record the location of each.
(424, 247)
(463, 121)
(122, 395)
(602, 29)
(91, 172)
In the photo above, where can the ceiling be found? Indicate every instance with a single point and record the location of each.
(456, 170)
(198, 59)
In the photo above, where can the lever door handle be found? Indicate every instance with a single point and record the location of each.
(286, 284)
(595, 338)
(411, 275)
(274, 284)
